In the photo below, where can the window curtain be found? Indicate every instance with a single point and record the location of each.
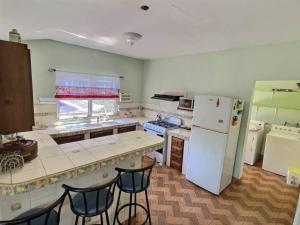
(71, 85)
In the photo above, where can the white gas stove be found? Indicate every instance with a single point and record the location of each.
(160, 128)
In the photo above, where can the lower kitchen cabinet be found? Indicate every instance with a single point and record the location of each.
(176, 157)
(101, 133)
(177, 151)
(68, 139)
(93, 134)
(126, 129)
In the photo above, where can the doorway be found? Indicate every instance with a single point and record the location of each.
(271, 156)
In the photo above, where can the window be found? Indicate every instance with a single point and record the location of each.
(70, 109)
(85, 95)
(73, 108)
(101, 107)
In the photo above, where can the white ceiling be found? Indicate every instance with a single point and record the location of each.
(169, 28)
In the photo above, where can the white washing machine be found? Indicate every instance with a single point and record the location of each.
(254, 142)
(282, 149)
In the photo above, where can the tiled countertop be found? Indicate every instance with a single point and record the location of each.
(82, 128)
(62, 162)
(180, 133)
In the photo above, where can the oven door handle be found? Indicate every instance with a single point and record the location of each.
(153, 132)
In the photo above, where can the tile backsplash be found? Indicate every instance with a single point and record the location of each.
(46, 114)
(150, 110)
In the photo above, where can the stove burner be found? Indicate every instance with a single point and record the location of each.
(162, 124)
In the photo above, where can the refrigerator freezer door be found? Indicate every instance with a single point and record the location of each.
(205, 158)
(213, 112)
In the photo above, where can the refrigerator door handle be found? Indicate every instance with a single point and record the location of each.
(205, 128)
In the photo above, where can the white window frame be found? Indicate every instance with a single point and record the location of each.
(90, 110)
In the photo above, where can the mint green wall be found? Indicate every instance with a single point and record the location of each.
(47, 53)
(230, 73)
(277, 107)
(286, 100)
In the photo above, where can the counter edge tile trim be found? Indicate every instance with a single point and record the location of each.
(12, 189)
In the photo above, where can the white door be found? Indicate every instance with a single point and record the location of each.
(205, 158)
(249, 156)
(213, 112)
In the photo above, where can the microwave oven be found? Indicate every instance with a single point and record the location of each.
(186, 104)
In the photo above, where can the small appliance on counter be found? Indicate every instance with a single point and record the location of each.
(186, 103)
(214, 136)
(160, 128)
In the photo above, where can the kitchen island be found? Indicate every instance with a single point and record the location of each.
(80, 164)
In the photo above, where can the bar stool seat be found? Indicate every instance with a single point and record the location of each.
(134, 181)
(126, 184)
(92, 201)
(104, 195)
(52, 220)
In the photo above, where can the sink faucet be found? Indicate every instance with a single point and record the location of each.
(158, 117)
(102, 117)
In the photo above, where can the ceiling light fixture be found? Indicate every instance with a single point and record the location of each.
(132, 37)
(145, 7)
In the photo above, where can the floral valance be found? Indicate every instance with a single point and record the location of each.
(71, 85)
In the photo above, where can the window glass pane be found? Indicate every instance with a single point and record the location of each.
(73, 108)
(101, 107)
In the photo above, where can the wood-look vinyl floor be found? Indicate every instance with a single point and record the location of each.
(259, 198)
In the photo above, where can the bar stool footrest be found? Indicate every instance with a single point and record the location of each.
(137, 204)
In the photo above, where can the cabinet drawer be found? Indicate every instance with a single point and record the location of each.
(177, 142)
(68, 139)
(126, 129)
(101, 133)
(176, 165)
(176, 158)
(176, 150)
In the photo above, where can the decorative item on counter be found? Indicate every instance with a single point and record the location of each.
(127, 114)
(28, 148)
(14, 36)
(11, 160)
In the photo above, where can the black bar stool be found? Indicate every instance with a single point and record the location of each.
(92, 201)
(39, 216)
(133, 181)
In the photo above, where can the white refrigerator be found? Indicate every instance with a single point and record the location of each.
(215, 130)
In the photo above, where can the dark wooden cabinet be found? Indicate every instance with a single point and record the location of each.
(16, 99)
(126, 129)
(68, 139)
(177, 146)
(101, 133)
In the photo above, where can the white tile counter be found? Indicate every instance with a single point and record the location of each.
(82, 163)
(85, 128)
(180, 133)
